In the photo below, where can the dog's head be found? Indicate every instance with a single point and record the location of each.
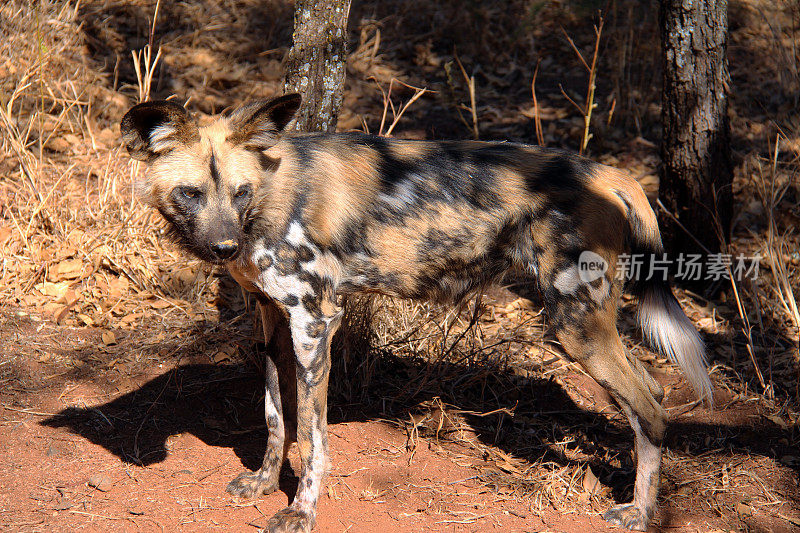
(204, 180)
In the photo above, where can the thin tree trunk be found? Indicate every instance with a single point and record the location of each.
(697, 170)
(316, 63)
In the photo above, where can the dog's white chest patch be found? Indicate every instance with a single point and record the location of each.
(295, 273)
(288, 287)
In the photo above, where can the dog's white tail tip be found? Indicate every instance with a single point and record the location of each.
(671, 332)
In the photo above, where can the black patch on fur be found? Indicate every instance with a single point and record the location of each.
(290, 300)
(304, 254)
(304, 150)
(352, 239)
(561, 180)
(494, 154)
(316, 328)
(312, 304)
(286, 259)
(215, 175)
(317, 284)
(180, 214)
(390, 169)
(265, 262)
(446, 171)
(436, 242)
(140, 121)
(241, 200)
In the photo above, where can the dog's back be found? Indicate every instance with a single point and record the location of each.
(435, 220)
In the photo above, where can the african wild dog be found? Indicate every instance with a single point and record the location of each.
(301, 220)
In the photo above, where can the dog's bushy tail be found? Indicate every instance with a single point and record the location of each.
(666, 327)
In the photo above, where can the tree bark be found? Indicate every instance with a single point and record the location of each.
(316, 63)
(697, 171)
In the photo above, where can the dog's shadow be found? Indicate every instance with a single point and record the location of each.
(216, 403)
(222, 406)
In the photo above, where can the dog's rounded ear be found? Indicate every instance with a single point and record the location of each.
(152, 128)
(259, 124)
(282, 109)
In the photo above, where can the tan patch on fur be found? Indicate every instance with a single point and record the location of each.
(605, 222)
(328, 265)
(396, 246)
(408, 150)
(275, 200)
(244, 274)
(345, 185)
(543, 233)
(606, 180)
(513, 193)
(217, 132)
(305, 444)
(605, 226)
(327, 307)
(396, 251)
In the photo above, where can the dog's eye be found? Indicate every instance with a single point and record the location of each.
(191, 192)
(242, 192)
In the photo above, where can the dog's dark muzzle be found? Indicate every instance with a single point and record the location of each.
(225, 250)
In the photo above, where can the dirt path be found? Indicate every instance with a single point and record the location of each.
(131, 444)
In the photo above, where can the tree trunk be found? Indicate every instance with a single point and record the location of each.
(697, 170)
(316, 63)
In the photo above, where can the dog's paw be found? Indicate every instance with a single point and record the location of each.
(290, 521)
(627, 516)
(250, 484)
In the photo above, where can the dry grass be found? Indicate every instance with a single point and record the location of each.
(78, 247)
(772, 187)
(589, 104)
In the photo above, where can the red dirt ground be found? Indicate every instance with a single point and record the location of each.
(120, 444)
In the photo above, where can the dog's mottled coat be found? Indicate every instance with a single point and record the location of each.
(302, 220)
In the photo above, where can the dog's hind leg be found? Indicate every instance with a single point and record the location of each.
(655, 388)
(591, 338)
(280, 402)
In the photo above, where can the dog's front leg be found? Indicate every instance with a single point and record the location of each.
(279, 404)
(313, 326)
